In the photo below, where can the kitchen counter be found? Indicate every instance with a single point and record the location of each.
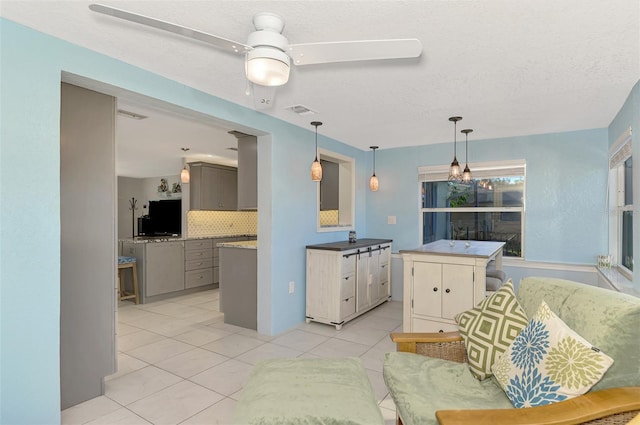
(346, 245)
(460, 248)
(151, 239)
(240, 244)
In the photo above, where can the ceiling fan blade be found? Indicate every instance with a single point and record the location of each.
(349, 51)
(263, 96)
(223, 43)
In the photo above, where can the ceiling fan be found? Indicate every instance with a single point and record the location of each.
(268, 54)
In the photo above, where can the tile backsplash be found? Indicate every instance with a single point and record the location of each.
(221, 223)
(329, 218)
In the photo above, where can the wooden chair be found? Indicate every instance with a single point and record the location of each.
(128, 263)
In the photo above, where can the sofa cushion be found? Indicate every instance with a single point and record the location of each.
(548, 362)
(608, 319)
(489, 328)
(309, 392)
(422, 385)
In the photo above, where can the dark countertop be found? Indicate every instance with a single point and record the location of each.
(346, 245)
(149, 239)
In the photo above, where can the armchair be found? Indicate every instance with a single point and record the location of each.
(438, 388)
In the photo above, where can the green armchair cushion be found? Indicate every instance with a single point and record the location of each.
(308, 391)
(421, 385)
(489, 328)
(548, 362)
(607, 319)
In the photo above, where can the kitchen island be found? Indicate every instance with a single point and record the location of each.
(173, 266)
(239, 283)
(444, 278)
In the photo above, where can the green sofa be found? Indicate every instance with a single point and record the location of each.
(428, 390)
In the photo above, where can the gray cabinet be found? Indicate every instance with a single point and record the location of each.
(247, 172)
(164, 268)
(198, 263)
(216, 257)
(213, 187)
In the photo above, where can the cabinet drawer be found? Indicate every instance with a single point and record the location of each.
(198, 254)
(422, 325)
(206, 263)
(385, 255)
(348, 286)
(196, 278)
(348, 264)
(198, 244)
(383, 275)
(347, 307)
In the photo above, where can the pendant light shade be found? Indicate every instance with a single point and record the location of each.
(373, 181)
(455, 175)
(466, 175)
(185, 176)
(316, 167)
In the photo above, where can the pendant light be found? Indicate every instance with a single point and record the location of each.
(373, 181)
(185, 176)
(316, 167)
(454, 171)
(466, 175)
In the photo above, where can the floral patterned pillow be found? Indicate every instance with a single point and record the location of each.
(548, 362)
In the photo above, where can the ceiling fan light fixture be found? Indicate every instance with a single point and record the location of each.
(267, 67)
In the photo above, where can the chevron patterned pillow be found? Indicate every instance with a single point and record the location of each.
(489, 329)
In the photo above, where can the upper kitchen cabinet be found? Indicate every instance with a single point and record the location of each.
(247, 171)
(213, 187)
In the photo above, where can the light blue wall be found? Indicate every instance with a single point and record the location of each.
(565, 191)
(31, 67)
(629, 116)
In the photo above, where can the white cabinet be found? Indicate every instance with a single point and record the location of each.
(441, 281)
(345, 280)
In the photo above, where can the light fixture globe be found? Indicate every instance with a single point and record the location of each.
(374, 185)
(455, 175)
(316, 171)
(267, 66)
(466, 174)
(185, 176)
(316, 166)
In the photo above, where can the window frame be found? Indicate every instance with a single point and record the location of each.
(491, 169)
(619, 152)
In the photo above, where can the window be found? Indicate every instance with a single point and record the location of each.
(621, 204)
(336, 192)
(490, 208)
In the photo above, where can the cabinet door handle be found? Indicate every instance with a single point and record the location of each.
(441, 331)
(447, 290)
(346, 299)
(435, 289)
(346, 278)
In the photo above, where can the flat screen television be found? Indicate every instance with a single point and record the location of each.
(166, 217)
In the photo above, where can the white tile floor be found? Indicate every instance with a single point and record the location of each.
(179, 363)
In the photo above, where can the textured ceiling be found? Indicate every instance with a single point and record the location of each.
(507, 67)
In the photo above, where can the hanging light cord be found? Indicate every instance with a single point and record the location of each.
(374, 161)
